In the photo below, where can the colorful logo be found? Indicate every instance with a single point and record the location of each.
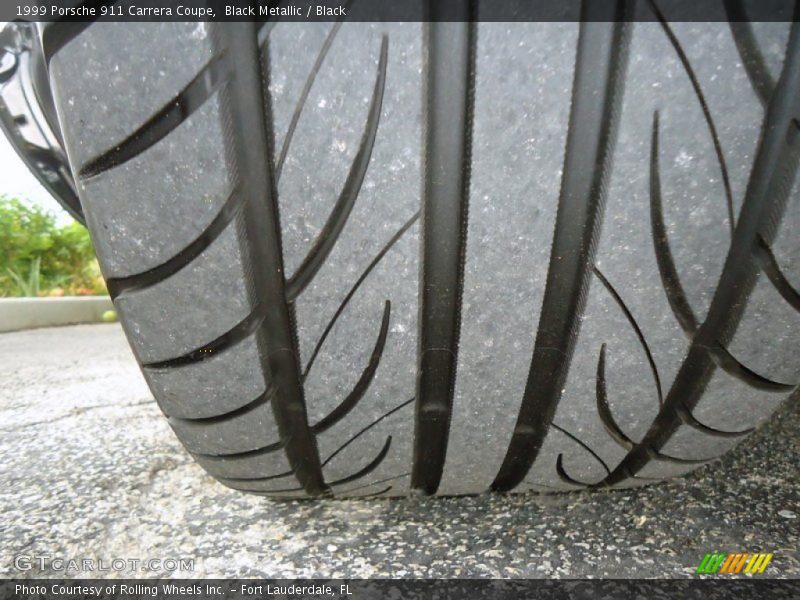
(730, 564)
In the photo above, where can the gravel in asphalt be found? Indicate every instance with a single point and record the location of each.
(91, 470)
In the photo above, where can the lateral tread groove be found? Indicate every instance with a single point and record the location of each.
(340, 213)
(163, 122)
(771, 179)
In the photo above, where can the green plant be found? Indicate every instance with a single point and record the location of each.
(29, 286)
(39, 257)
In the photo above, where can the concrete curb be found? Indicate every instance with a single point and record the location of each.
(28, 313)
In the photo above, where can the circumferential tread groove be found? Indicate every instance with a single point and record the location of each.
(162, 123)
(236, 80)
(596, 95)
(249, 105)
(449, 81)
(771, 179)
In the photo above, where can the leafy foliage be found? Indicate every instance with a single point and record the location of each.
(40, 258)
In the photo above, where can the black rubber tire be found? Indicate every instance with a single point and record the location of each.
(636, 218)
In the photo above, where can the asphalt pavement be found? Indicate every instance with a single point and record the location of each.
(91, 470)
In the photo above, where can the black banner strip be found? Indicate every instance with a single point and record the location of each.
(368, 10)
